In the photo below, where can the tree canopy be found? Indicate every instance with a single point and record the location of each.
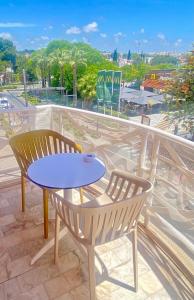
(7, 52)
(181, 97)
(115, 56)
(164, 59)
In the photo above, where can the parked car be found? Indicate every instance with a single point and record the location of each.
(4, 103)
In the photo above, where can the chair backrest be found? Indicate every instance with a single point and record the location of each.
(95, 225)
(30, 146)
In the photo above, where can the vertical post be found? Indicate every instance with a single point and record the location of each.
(24, 80)
(142, 157)
(152, 175)
(119, 102)
(45, 205)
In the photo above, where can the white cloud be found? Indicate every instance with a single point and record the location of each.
(73, 30)
(161, 36)
(15, 25)
(118, 36)
(142, 30)
(92, 27)
(6, 35)
(178, 42)
(44, 38)
(103, 35)
(50, 27)
(145, 41)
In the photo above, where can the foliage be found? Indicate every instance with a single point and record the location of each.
(137, 58)
(31, 99)
(76, 58)
(7, 52)
(87, 86)
(57, 44)
(180, 98)
(25, 62)
(115, 56)
(135, 72)
(129, 55)
(164, 59)
(41, 61)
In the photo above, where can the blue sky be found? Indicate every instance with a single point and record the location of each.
(139, 25)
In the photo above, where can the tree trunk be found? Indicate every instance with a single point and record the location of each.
(62, 79)
(75, 84)
(43, 79)
(49, 78)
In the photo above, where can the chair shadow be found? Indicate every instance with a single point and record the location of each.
(106, 277)
(166, 272)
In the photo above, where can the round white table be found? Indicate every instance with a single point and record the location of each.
(63, 171)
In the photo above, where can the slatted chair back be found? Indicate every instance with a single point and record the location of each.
(30, 146)
(93, 224)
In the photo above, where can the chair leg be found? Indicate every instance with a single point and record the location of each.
(135, 263)
(91, 271)
(23, 192)
(57, 229)
(45, 205)
(81, 195)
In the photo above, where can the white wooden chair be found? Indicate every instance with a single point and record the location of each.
(112, 215)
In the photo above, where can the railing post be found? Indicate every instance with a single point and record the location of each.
(142, 157)
(152, 176)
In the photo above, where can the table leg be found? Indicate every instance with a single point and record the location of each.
(48, 246)
(45, 204)
(68, 197)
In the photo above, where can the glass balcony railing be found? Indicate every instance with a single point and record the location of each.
(166, 160)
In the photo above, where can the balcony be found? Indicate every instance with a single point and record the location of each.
(165, 245)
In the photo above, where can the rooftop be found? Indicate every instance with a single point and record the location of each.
(140, 97)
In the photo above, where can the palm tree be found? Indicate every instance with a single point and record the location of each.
(77, 57)
(60, 57)
(40, 59)
(87, 87)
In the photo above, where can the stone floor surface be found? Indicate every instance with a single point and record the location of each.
(21, 236)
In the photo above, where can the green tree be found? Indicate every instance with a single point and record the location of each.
(25, 62)
(76, 57)
(57, 44)
(180, 98)
(164, 59)
(87, 87)
(7, 52)
(134, 72)
(115, 56)
(60, 57)
(137, 59)
(129, 55)
(41, 60)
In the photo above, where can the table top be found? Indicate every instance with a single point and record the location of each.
(66, 171)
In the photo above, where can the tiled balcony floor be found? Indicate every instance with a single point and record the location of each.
(21, 236)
